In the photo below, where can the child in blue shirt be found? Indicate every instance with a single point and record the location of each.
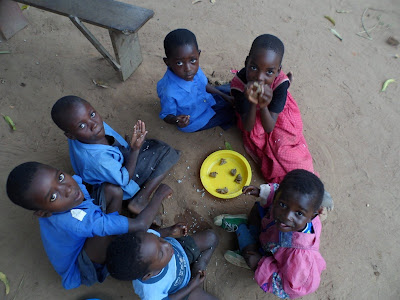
(187, 99)
(163, 267)
(99, 154)
(76, 229)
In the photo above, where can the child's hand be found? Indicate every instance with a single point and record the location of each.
(198, 279)
(265, 97)
(252, 91)
(138, 136)
(251, 190)
(178, 230)
(258, 93)
(182, 120)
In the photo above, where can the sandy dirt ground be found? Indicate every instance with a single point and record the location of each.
(350, 126)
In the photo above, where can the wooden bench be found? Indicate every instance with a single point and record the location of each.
(121, 19)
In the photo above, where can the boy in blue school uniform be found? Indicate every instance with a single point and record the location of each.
(76, 229)
(187, 99)
(99, 154)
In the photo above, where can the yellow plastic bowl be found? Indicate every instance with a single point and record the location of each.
(234, 160)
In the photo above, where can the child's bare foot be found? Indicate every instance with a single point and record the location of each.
(163, 191)
(137, 204)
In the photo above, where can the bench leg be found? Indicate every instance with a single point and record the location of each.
(11, 18)
(127, 52)
(77, 22)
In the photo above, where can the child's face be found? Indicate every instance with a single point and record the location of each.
(292, 211)
(157, 252)
(263, 66)
(84, 124)
(184, 61)
(54, 191)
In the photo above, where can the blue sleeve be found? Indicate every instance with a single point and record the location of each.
(97, 223)
(83, 188)
(168, 106)
(149, 291)
(107, 169)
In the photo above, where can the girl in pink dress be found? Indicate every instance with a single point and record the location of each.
(268, 116)
(280, 239)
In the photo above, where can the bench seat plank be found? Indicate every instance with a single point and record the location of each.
(108, 14)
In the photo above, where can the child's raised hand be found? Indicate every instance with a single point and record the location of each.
(252, 91)
(138, 136)
(182, 120)
(251, 190)
(258, 93)
(178, 230)
(265, 97)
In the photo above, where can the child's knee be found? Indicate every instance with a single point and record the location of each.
(212, 238)
(113, 191)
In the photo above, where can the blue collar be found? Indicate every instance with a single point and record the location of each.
(186, 85)
(157, 277)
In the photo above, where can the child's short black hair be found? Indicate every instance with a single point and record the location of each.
(178, 37)
(124, 261)
(19, 181)
(268, 42)
(60, 107)
(304, 182)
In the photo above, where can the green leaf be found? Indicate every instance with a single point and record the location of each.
(386, 83)
(228, 146)
(3, 278)
(10, 122)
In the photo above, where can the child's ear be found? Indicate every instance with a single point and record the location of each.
(147, 276)
(42, 213)
(70, 136)
(279, 70)
(318, 212)
(165, 59)
(199, 52)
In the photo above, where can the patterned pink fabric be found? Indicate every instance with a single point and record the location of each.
(295, 267)
(285, 148)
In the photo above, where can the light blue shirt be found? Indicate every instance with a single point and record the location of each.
(181, 97)
(64, 234)
(172, 278)
(97, 163)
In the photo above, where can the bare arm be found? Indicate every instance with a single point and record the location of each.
(213, 90)
(261, 95)
(268, 119)
(193, 283)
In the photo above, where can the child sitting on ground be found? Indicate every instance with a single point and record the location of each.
(99, 154)
(163, 268)
(269, 117)
(285, 255)
(75, 228)
(187, 99)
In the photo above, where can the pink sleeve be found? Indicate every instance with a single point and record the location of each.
(294, 273)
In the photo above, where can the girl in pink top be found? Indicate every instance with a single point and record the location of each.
(280, 240)
(268, 116)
